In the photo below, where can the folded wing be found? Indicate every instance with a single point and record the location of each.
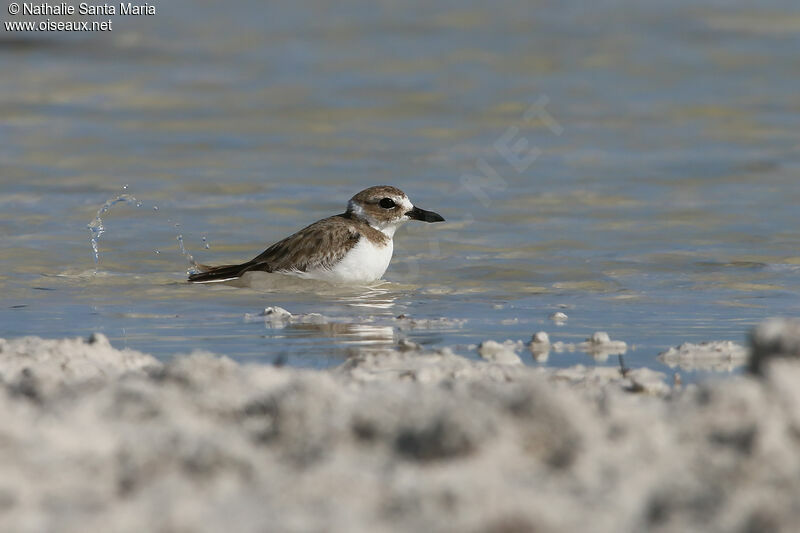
(318, 246)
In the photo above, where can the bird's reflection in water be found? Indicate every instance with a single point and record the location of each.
(372, 297)
(348, 333)
(349, 339)
(380, 295)
(362, 325)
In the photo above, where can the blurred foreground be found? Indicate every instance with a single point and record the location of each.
(98, 439)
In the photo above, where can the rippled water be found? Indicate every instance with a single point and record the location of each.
(653, 195)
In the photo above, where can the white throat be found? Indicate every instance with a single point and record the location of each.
(387, 228)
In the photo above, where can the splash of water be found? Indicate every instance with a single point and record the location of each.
(185, 253)
(96, 228)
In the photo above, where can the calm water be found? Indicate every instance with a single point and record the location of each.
(653, 196)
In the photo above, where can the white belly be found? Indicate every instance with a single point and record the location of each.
(364, 263)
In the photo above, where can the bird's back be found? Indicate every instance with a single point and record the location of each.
(314, 252)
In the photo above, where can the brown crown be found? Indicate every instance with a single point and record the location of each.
(369, 200)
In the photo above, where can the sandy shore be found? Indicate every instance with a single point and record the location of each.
(99, 439)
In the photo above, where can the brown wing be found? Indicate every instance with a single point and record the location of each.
(320, 245)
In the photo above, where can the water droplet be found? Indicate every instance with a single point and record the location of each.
(186, 254)
(96, 228)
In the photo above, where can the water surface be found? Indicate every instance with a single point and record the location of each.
(654, 197)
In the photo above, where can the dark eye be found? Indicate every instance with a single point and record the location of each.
(386, 203)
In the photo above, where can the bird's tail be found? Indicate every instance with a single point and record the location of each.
(209, 274)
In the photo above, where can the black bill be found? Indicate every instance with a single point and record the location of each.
(425, 216)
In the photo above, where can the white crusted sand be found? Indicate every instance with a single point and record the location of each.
(98, 439)
(716, 355)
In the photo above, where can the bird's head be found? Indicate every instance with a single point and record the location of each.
(385, 208)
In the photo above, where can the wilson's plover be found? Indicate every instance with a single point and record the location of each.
(354, 247)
